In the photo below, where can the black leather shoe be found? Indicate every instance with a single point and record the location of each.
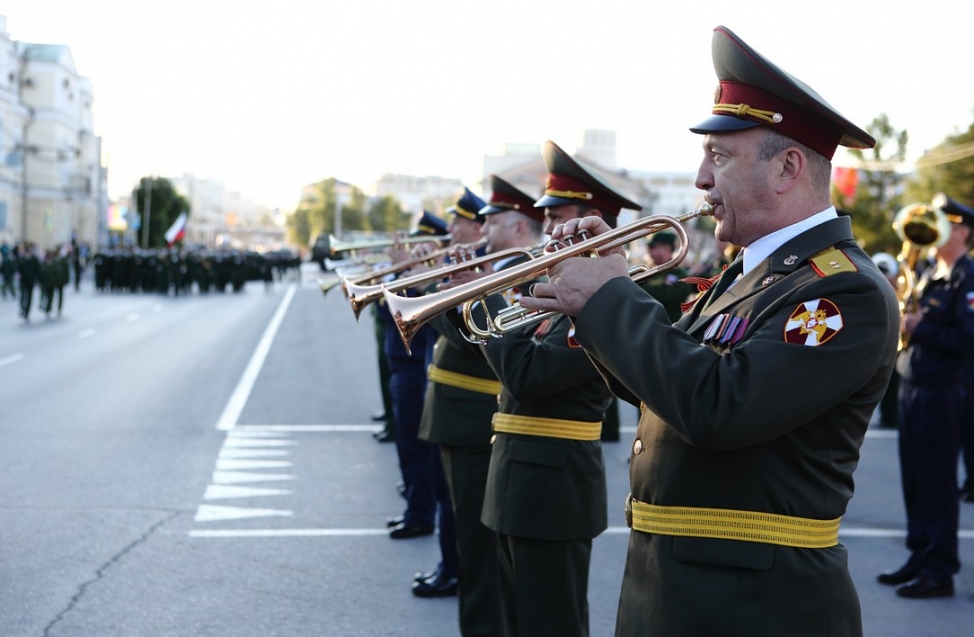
(396, 521)
(900, 576)
(384, 436)
(425, 575)
(436, 586)
(379, 415)
(924, 587)
(405, 531)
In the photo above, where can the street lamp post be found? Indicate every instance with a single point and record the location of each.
(24, 148)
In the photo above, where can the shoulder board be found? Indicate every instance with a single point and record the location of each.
(832, 261)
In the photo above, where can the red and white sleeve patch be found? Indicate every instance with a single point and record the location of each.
(813, 323)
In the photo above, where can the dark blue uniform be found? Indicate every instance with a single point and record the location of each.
(407, 384)
(932, 405)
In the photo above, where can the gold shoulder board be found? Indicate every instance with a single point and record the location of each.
(832, 261)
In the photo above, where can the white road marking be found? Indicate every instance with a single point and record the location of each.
(229, 464)
(237, 533)
(260, 442)
(253, 453)
(236, 477)
(234, 407)
(86, 333)
(220, 491)
(13, 358)
(211, 513)
(310, 428)
(612, 530)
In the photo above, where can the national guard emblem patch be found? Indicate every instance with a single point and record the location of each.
(813, 323)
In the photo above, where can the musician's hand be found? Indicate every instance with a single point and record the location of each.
(572, 283)
(466, 276)
(399, 254)
(574, 229)
(908, 322)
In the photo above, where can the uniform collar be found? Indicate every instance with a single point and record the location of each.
(764, 247)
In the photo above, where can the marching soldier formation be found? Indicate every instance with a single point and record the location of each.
(739, 480)
(178, 271)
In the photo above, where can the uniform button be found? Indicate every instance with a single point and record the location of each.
(637, 446)
(493, 438)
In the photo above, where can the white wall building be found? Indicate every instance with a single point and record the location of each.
(413, 193)
(52, 182)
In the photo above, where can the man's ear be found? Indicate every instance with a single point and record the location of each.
(791, 166)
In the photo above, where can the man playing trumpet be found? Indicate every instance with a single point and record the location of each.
(754, 405)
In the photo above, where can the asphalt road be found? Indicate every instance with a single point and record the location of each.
(204, 466)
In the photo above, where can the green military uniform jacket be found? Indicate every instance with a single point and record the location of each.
(540, 487)
(757, 402)
(454, 415)
(668, 289)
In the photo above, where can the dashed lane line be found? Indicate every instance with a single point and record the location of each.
(13, 358)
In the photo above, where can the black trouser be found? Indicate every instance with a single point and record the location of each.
(478, 593)
(929, 445)
(544, 586)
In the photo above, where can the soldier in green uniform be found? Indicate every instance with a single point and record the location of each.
(546, 490)
(667, 288)
(756, 402)
(461, 399)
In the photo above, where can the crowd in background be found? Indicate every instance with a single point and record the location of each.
(26, 269)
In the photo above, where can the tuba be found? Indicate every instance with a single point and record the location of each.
(920, 226)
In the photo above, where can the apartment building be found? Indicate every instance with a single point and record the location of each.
(52, 181)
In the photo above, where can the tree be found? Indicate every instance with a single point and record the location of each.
(386, 215)
(877, 192)
(948, 168)
(158, 205)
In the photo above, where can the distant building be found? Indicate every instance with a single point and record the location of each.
(599, 147)
(219, 216)
(415, 193)
(52, 181)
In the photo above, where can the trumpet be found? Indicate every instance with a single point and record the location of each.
(361, 295)
(920, 226)
(411, 313)
(336, 246)
(349, 283)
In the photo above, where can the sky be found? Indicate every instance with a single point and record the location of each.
(270, 96)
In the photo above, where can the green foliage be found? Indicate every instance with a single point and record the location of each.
(315, 213)
(878, 192)
(386, 215)
(948, 168)
(160, 208)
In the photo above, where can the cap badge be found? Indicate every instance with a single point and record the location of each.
(790, 260)
(768, 280)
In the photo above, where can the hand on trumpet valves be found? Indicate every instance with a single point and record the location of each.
(466, 276)
(572, 282)
(579, 229)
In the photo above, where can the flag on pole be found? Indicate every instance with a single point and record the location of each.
(177, 230)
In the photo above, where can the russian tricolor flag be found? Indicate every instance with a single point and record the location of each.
(177, 230)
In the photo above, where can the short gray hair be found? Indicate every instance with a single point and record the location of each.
(819, 167)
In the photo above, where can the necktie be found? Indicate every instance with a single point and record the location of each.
(726, 278)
